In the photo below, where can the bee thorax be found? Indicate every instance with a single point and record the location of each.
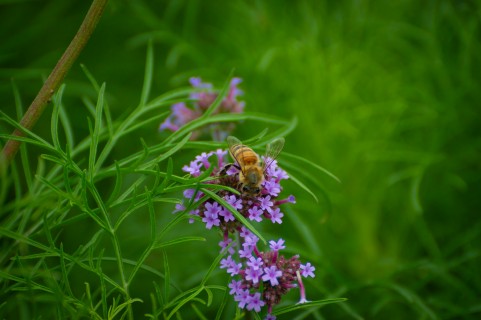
(252, 177)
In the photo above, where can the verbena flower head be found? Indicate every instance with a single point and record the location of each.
(183, 113)
(260, 278)
(265, 206)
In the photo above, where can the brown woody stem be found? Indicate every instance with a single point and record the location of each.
(56, 77)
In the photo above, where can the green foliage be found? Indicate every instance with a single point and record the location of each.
(385, 96)
(70, 190)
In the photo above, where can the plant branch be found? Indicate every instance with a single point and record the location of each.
(56, 77)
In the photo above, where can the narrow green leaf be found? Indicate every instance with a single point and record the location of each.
(210, 296)
(236, 213)
(95, 84)
(168, 174)
(302, 185)
(222, 94)
(23, 149)
(67, 128)
(120, 308)
(90, 77)
(169, 98)
(310, 304)
(57, 102)
(199, 314)
(63, 268)
(304, 161)
(118, 183)
(144, 123)
(152, 220)
(16, 125)
(167, 154)
(96, 133)
(60, 193)
(222, 305)
(181, 303)
(159, 244)
(31, 284)
(166, 277)
(214, 265)
(149, 70)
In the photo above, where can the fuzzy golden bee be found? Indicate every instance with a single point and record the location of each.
(251, 171)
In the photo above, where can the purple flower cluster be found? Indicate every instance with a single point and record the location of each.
(213, 214)
(260, 278)
(183, 113)
(264, 276)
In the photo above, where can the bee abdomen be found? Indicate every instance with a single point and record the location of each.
(245, 154)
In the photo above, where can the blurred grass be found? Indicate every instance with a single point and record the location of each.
(387, 98)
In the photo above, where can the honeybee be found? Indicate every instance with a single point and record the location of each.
(251, 173)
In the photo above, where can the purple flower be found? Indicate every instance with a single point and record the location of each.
(290, 199)
(251, 240)
(212, 208)
(234, 269)
(242, 297)
(189, 193)
(246, 252)
(255, 302)
(225, 243)
(179, 207)
(272, 187)
(255, 214)
(245, 232)
(211, 220)
(228, 216)
(204, 159)
(196, 82)
(194, 213)
(276, 216)
(270, 317)
(233, 201)
(193, 169)
(276, 246)
(260, 278)
(227, 262)
(253, 275)
(266, 203)
(307, 270)
(233, 90)
(255, 263)
(184, 112)
(235, 287)
(271, 274)
(220, 157)
(168, 125)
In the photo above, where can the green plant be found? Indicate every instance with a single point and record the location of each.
(52, 270)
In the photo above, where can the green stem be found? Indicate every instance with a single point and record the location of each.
(56, 77)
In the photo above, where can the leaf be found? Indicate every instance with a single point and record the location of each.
(236, 213)
(96, 132)
(166, 276)
(149, 70)
(57, 101)
(159, 244)
(304, 161)
(310, 304)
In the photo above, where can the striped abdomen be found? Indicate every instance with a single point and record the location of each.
(244, 155)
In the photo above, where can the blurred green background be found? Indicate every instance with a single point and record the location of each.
(387, 97)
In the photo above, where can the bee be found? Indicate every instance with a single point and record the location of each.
(251, 174)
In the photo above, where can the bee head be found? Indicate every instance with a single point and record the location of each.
(251, 190)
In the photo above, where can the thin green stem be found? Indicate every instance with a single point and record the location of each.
(56, 77)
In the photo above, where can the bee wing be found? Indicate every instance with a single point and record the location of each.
(272, 151)
(233, 142)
